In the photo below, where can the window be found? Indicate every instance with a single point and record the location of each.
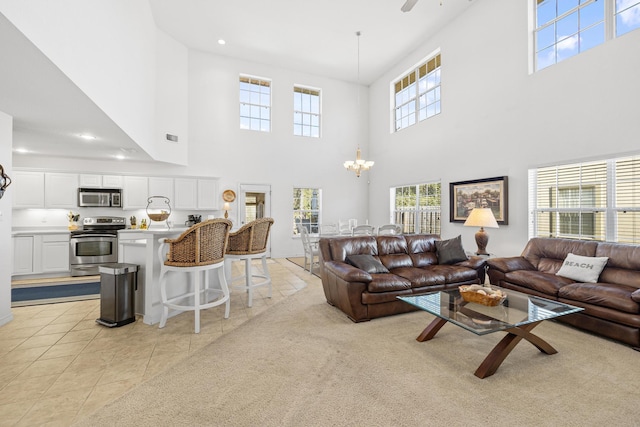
(564, 28)
(306, 112)
(627, 16)
(417, 94)
(306, 209)
(593, 201)
(255, 104)
(416, 208)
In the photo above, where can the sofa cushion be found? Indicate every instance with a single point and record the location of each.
(420, 277)
(582, 268)
(450, 251)
(545, 283)
(453, 273)
(367, 263)
(609, 295)
(387, 283)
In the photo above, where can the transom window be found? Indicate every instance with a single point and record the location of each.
(564, 28)
(417, 94)
(306, 112)
(255, 104)
(307, 209)
(416, 208)
(594, 201)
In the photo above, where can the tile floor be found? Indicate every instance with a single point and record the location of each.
(57, 365)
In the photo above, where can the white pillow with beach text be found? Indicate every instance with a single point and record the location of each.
(584, 269)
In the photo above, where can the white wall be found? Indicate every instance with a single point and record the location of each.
(277, 158)
(6, 142)
(497, 119)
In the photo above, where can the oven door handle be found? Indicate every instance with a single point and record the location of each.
(84, 236)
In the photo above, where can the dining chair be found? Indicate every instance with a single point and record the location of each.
(329, 229)
(198, 250)
(311, 250)
(345, 227)
(363, 230)
(249, 242)
(389, 229)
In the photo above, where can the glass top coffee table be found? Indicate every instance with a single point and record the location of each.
(516, 316)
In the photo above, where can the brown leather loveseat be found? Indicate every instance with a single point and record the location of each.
(611, 302)
(411, 264)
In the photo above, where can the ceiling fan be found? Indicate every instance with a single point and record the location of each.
(408, 5)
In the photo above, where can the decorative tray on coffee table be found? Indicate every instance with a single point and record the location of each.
(484, 295)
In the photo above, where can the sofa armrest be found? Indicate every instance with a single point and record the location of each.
(347, 272)
(636, 295)
(475, 262)
(506, 265)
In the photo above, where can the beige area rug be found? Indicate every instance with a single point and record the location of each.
(303, 363)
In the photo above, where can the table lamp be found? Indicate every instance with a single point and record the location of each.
(481, 217)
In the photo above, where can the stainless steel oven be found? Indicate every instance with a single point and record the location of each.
(94, 245)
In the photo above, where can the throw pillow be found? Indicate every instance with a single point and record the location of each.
(367, 263)
(584, 269)
(450, 251)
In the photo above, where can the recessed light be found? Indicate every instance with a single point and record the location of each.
(120, 157)
(21, 150)
(221, 42)
(87, 137)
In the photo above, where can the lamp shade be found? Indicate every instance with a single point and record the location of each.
(481, 217)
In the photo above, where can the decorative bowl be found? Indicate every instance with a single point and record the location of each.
(158, 216)
(482, 295)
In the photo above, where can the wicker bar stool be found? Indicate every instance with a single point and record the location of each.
(249, 243)
(199, 249)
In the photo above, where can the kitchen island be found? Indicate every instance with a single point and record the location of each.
(140, 247)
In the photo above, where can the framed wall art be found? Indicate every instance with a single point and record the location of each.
(490, 193)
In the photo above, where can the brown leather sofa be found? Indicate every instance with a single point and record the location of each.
(611, 305)
(412, 264)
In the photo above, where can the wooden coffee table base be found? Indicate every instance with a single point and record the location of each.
(494, 359)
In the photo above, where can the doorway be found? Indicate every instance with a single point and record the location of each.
(254, 202)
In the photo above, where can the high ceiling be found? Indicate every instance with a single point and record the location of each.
(317, 37)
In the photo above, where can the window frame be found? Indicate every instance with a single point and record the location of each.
(307, 113)
(610, 201)
(416, 218)
(417, 98)
(609, 22)
(259, 107)
(313, 227)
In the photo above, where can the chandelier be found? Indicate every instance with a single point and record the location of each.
(358, 165)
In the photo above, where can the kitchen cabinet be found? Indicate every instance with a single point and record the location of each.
(55, 253)
(135, 192)
(186, 193)
(100, 181)
(208, 197)
(28, 189)
(60, 190)
(160, 186)
(41, 253)
(196, 193)
(23, 254)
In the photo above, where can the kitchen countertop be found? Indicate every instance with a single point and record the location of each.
(30, 231)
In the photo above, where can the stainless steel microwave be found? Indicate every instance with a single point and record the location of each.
(99, 197)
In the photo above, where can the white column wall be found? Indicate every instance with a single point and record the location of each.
(108, 49)
(6, 138)
(497, 119)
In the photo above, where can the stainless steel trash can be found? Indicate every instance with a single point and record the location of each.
(118, 283)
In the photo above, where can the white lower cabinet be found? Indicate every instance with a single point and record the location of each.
(23, 255)
(55, 253)
(41, 253)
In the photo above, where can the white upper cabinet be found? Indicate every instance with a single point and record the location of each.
(100, 181)
(186, 193)
(160, 186)
(61, 190)
(135, 192)
(28, 189)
